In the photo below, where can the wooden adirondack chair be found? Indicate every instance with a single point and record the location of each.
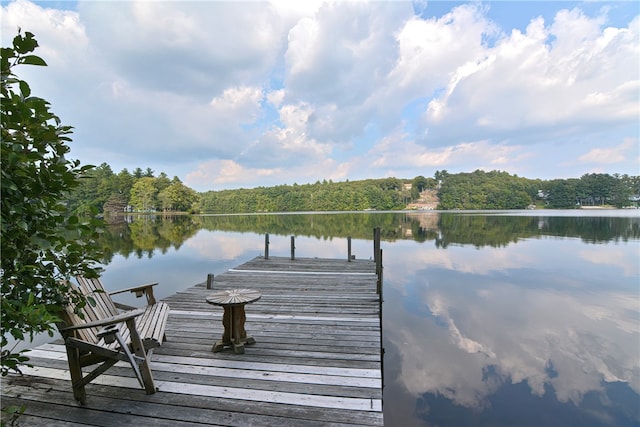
(107, 335)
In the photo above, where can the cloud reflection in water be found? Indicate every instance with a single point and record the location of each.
(550, 315)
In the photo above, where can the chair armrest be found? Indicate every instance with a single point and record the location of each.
(134, 289)
(139, 291)
(119, 318)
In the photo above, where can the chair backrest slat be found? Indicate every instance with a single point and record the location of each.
(93, 288)
(103, 308)
(70, 318)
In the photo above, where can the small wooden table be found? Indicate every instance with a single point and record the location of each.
(233, 302)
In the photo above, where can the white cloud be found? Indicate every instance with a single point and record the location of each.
(293, 10)
(239, 104)
(438, 308)
(276, 97)
(217, 246)
(570, 75)
(596, 322)
(364, 89)
(429, 50)
(288, 143)
(611, 155)
(521, 352)
(219, 173)
(613, 258)
(339, 59)
(397, 151)
(194, 48)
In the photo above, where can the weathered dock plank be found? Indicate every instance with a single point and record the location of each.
(317, 359)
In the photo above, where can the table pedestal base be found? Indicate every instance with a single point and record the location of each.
(234, 333)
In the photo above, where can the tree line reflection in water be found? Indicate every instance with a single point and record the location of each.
(142, 235)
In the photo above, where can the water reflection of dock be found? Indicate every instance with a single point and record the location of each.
(317, 358)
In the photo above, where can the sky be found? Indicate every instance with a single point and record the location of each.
(231, 94)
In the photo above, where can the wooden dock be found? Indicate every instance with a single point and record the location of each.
(317, 358)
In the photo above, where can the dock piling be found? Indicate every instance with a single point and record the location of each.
(376, 249)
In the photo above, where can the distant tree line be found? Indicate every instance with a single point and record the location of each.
(500, 190)
(370, 194)
(486, 190)
(594, 189)
(141, 191)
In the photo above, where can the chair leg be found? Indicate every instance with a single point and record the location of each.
(73, 356)
(133, 360)
(138, 349)
(145, 370)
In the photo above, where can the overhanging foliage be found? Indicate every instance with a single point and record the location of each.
(42, 248)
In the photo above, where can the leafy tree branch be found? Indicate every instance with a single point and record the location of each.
(42, 248)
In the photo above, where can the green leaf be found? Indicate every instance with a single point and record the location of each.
(11, 410)
(25, 89)
(32, 60)
(25, 44)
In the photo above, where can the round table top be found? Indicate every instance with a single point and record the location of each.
(233, 296)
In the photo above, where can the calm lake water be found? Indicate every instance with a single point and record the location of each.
(489, 318)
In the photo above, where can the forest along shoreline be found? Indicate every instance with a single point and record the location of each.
(108, 193)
